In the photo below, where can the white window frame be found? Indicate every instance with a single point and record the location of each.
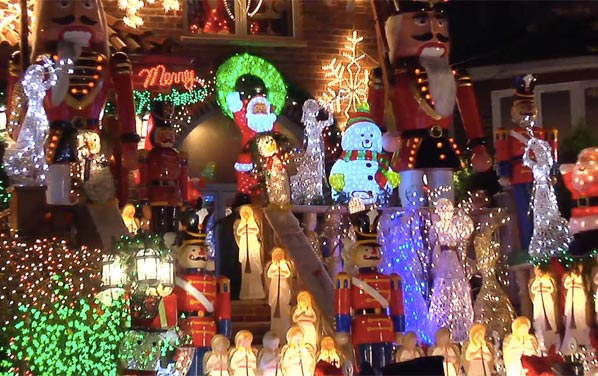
(577, 99)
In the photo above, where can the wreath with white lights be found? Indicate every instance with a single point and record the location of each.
(239, 65)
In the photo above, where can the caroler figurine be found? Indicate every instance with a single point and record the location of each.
(478, 353)
(163, 172)
(448, 350)
(362, 301)
(242, 360)
(80, 44)
(203, 300)
(216, 361)
(297, 357)
(520, 342)
(510, 144)
(577, 323)
(422, 91)
(409, 349)
(247, 235)
(543, 292)
(268, 358)
(279, 293)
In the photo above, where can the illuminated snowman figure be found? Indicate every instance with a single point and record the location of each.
(362, 170)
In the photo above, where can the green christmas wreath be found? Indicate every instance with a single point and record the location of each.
(229, 72)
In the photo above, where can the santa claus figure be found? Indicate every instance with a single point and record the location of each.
(581, 179)
(74, 33)
(252, 117)
(422, 89)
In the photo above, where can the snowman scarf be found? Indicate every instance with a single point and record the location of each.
(367, 155)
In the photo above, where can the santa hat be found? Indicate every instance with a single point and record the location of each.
(259, 100)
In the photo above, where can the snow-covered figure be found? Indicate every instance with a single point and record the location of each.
(577, 330)
(304, 316)
(448, 350)
(450, 305)
(551, 235)
(519, 342)
(268, 359)
(362, 170)
(242, 360)
(250, 255)
(25, 161)
(216, 361)
(297, 357)
(478, 353)
(542, 290)
(274, 170)
(279, 293)
(252, 118)
(307, 185)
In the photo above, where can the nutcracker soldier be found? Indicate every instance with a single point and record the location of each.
(422, 90)
(362, 301)
(163, 172)
(510, 146)
(253, 116)
(203, 300)
(74, 34)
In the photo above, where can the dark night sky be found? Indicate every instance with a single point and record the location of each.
(494, 32)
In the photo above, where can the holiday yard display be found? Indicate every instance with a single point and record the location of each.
(417, 78)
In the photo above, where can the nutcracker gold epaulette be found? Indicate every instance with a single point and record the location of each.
(121, 63)
(343, 279)
(394, 277)
(501, 134)
(223, 283)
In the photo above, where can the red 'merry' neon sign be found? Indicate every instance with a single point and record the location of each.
(160, 76)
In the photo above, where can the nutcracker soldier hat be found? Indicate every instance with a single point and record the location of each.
(195, 221)
(523, 89)
(365, 225)
(411, 6)
(161, 116)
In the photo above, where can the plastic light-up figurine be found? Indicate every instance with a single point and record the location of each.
(307, 185)
(279, 293)
(519, 342)
(216, 361)
(329, 359)
(551, 235)
(304, 315)
(422, 90)
(252, 117)
(510, 146)
(577, 329)
(297, 357)
(581, 179)
(25, 161)
(250, 254)
(203, 300)
(274, 169)
(362, 301)
(448, 350)
(409, 349)
(478, 353)
(362, 169)
(451, 305)
(492, 306)
(543, 292)
(268, 358)
(242, 358)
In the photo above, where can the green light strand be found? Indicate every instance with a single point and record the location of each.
(143, 99)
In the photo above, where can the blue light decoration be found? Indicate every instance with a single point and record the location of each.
(405, 252)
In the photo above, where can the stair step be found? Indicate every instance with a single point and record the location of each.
(250, 310)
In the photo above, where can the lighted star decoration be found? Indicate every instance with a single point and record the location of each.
(10, 20)
(132, 7)
(348, 85)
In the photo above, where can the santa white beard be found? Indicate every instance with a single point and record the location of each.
(441, 81)
(261, 122)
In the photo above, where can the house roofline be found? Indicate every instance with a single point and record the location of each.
(494, 72)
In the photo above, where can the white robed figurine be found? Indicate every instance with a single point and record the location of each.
(307, 185)
(241, 359)
(520, 342)
(279, 294)
(268, 359)
(297, 358)
(478, 353)
(25, 161)
(448, 350)
(542, 289)
(250, 255)
(305, 316)
(577, 330)
(216, 361)
(409, 350)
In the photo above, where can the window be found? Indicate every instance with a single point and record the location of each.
(563, 106)
(242, 17)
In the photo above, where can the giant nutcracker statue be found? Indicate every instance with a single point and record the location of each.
(252, 117)
(163, 172)
(203, 300)
(510, 146)
(422, 90)
(362, 301)
(74, 33)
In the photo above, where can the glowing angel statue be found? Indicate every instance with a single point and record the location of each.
(25, 161)
(307, 185)
(551, 234)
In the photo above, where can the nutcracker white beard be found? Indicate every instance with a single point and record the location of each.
(261, 122)
(443, 87)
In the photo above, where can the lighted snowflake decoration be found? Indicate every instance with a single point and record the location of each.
(348, 85)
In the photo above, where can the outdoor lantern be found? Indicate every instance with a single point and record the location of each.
(147, 265)
(166, 273)
(112, 273)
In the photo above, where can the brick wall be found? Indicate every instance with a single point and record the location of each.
(324, 31)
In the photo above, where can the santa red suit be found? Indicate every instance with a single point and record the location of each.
(370, 304)
(581, 179)
(251, 117)
(75, 35)
(423, 90)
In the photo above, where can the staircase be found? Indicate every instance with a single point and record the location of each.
(252, 315)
